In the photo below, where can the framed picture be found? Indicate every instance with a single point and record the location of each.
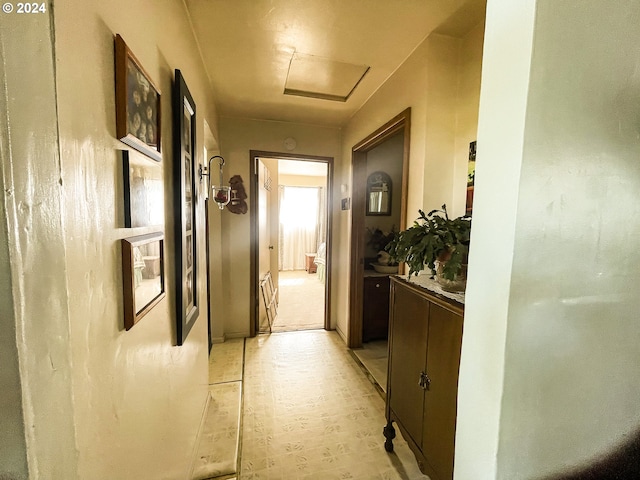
(471, 177)
(137, 104)
(143, 191)
(142, 275)
(185, 207)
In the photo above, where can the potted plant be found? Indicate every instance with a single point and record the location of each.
(437, 242)
(377, 240)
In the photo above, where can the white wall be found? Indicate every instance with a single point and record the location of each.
(237, 138)
(100, 402)
(507, 42)
(549, 378)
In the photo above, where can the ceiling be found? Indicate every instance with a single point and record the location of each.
(247, 47)
(302, 168)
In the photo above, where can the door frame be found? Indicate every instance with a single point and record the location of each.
(253, 241)
(402, 121)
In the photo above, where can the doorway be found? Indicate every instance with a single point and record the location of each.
(290, 201)
(397, 128)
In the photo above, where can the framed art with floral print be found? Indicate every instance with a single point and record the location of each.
(137, 103)
(185, 207)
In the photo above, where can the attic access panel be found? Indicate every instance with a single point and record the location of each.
(317, 77)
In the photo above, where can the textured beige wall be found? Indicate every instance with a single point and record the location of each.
(429, 82)
(34, 286)
(467, 107)
(302, 180)
(137, 399)
(237, 138)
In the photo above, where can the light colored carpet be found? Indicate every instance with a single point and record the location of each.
(301, 305)
(311, 413)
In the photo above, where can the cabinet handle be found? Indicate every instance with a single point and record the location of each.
(425, 381)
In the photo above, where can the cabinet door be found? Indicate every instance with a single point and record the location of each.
(408, 344)
(443, 361)
(375, 310)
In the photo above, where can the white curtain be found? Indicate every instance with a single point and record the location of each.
(302, 213)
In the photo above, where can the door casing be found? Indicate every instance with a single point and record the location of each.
(254, 247)
(401, 122)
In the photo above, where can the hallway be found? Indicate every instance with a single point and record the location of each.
(309, 412)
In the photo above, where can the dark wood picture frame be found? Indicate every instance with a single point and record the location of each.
(185, 207)
(142, 275)
(143, 187)
(137, 103)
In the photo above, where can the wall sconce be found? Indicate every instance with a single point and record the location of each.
(221, 193)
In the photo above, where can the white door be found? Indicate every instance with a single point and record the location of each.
(264, 236)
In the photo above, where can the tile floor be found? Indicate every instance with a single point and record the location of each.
(219, 437)
(311, 413)
(374, 357)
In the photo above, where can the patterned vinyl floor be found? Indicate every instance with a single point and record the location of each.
(310, 413)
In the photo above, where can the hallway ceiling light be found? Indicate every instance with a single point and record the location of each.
(317, 77)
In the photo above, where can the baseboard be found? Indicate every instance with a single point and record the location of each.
(237, 335)
(196, 444)
(343, 335)
(219, 443)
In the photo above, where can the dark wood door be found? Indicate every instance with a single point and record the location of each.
(375, 309)
(443, 361)
(407, 358)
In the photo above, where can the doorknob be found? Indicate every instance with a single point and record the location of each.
(270, 247)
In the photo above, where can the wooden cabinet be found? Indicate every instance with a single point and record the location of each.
(375, 308)
(309, 264)
(422, 386)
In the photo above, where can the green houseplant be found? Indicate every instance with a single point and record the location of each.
(437, 241)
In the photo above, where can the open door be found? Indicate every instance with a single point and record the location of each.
(397, 127)
(267, 272)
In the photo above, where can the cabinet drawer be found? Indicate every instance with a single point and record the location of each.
(375, 309)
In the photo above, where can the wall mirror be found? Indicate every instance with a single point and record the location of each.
(142, 274)
(379, 194)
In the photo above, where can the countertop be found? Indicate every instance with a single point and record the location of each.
(373, 273)
(426, 282)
